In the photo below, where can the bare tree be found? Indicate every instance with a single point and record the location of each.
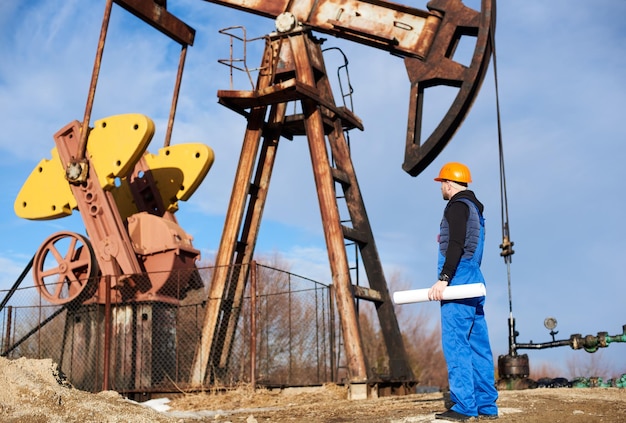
(588, 365)
(422, 340)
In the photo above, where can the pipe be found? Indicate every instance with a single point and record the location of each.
(543, 345)
(589, 343)
(82, 146)
(179, 77)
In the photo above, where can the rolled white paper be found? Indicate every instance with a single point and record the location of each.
(456, 292)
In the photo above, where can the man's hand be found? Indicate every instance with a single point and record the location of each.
(435, 293)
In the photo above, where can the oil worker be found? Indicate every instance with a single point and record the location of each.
(464, 334)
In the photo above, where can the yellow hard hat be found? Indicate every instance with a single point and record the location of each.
(456, 172)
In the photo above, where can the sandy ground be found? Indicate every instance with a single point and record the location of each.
(33, 391)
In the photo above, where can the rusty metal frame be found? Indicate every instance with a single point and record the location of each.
(425, 39)
(297, 74)
(156, 15)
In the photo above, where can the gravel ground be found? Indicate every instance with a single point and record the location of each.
(34, 392)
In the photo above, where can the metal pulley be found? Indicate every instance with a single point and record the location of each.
(65, 269)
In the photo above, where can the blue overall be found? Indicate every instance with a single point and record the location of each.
(465, 338)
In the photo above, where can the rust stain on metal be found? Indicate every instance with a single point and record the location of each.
(157, 16)
(380, 24)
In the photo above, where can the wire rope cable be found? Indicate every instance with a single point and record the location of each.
(506, 246)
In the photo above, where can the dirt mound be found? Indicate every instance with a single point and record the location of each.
(35, 391)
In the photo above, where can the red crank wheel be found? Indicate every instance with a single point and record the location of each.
(64, 268)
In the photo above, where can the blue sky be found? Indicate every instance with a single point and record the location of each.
(561, 71)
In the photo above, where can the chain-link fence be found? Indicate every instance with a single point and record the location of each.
(281, 332)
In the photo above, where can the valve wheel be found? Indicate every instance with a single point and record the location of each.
(64, 268)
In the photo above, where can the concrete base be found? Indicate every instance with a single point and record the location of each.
(361, 391)
(372, 390)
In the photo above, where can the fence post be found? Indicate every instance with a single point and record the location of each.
(107, 334)
(331, 309)
(253, 279)
(7, 338)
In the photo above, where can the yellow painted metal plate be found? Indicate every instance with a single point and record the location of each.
(124, 199)
(115, 145)
(178, 171)
(46, 194)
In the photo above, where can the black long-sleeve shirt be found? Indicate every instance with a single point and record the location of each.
(457, 213)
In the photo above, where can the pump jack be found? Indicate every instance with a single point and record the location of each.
(293, 70)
